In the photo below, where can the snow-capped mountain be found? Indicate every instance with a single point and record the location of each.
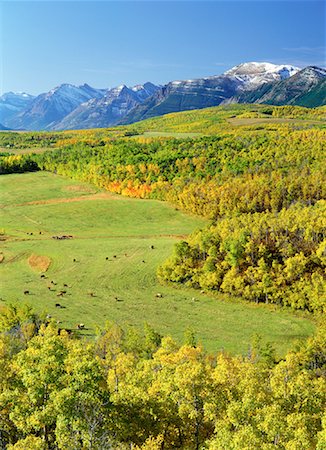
(184, 95)
(107, 110)
(74, 107)
(13, 102)
(306, 88)
(247, 82)
(254, 74)
(144, 91)
(50, 107)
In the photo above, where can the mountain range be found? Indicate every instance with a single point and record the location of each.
(76, 107)
(107, 110)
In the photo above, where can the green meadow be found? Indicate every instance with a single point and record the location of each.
(108, 267)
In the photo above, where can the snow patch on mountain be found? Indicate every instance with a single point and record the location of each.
(68, 106)
(314, 73)
(254, 74)
(11, 103)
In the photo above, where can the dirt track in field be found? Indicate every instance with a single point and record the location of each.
(54, 201)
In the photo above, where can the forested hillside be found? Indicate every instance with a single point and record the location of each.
(258, 174)
(265, 180)
(131, 389)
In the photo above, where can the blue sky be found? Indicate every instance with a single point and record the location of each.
(107, 43)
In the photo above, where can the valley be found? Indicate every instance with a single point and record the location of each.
(162, 225)
(163, 283)
(113, 277)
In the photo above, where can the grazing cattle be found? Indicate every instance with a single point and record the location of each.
(80, 326)
(152, 247)
(106, 258)
(158, 295)
(40, 232)
(43, 276)
(53, 282)
(143, 261)
(74, 260)
(114, 256)
(202, 292)
(57, 305)
(61, 293)
(26, 292)
(65, 285)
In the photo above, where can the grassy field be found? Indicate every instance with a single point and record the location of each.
(170, 134)
(109, 266)
(24, 151)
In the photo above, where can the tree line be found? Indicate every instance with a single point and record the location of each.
(143, 391)
(262, 257)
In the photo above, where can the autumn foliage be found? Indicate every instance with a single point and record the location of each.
(142, 390)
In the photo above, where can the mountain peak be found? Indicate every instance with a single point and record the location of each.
(109, 109)
(17, 95)
(261, 67)
(256, 73)
(64, 87)
(314, 71)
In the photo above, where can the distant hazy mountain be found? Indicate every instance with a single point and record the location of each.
(3, 128)
(306, 88)
(12, 103)
(48, 108)
(107, 110)
(75, 107)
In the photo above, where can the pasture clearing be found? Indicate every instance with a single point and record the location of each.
(240, 121)
(107, 270)
(24, 151)
(168, 134)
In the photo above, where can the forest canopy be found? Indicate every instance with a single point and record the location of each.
(143, 390)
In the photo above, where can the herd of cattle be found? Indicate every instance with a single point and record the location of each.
(63, 292)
